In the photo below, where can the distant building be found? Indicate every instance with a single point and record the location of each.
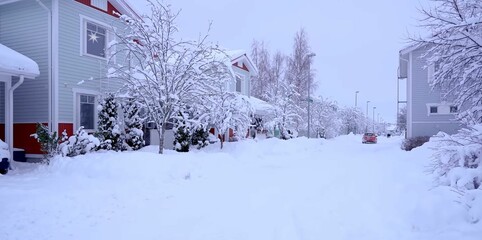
(429, 111)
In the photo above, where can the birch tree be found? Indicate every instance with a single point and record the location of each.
(282, 95)
(300, 73)
(454, 46)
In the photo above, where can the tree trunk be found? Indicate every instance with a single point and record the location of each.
(161, 139)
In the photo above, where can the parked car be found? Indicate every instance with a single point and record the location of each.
(369, 138)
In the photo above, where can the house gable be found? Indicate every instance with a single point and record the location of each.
(241, 65)
(111, 10)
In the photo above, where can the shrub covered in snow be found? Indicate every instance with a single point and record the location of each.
(109, 131)
(411, 143)
(78, 144)
(49, 142)
(134, 136)
(182, 133)
(200, 137)
(457, 163)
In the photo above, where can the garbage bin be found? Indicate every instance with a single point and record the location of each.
(19, 155)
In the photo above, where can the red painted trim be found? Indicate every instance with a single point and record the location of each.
(69, 127)
(110, 8)
(22, 139)
(2, 132)
(22, 132)
(242, 67)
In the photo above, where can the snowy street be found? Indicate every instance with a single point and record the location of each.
(265, 189)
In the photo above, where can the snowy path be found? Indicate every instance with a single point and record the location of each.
(298, 189)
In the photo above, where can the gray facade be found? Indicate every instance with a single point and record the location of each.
(59, 46)
(24, 27)
(428, 110)
(76, 67)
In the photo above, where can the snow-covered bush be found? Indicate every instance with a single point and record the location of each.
(49, 142)
(78, 144)
(182, 133)
(109, 131)
(411, 143)
(4, 154)
(200, 137)
(457, 163)
(134, 136)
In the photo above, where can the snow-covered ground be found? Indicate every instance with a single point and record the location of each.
(265, 189)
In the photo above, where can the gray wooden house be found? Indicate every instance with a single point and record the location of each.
(68, 39)
(429, 111)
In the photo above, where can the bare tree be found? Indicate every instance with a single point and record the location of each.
(300, 72)
(282, 95)
(261, 58)
(402, 119)
(164, 73)
(454, 47)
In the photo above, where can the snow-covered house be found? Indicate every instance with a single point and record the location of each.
(243, 70)
(428, 110)
(68, 39)
(15, 68)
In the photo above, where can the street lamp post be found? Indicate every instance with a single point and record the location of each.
(309, 89)
(366, 127)
(356, 98)
(373, 118)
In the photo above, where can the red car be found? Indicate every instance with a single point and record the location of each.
(369, 138)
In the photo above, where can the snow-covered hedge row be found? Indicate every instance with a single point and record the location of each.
(457, 163)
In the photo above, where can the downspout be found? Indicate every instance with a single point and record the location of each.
(50, 67)
(10, 115)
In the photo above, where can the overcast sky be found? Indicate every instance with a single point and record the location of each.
(356, 42)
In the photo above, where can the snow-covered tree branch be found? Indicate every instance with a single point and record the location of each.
(164, 73)
(454, 47)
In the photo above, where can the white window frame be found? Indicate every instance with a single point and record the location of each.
(442, 109)
(109, 36)
(101, 4)
(240, 84)
(77, 92)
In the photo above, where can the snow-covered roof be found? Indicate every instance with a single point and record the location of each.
(410, 48)
(16, 64)
(259, 106)
(235, 55)
(126, 7)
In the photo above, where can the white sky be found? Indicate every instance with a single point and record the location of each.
(356, 42)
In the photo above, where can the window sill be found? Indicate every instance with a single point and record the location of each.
(441, 114)
(93, 56)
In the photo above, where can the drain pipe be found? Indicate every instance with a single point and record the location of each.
(50, 67)
(10, 116)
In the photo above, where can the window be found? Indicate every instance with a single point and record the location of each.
(95, 39)
(453, 109)
(102, 4)
(87, 111)
(442, 108)
(238, 84)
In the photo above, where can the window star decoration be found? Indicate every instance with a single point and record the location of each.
(93, 37)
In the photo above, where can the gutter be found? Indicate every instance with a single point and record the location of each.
(10, 116)
(51, 115)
